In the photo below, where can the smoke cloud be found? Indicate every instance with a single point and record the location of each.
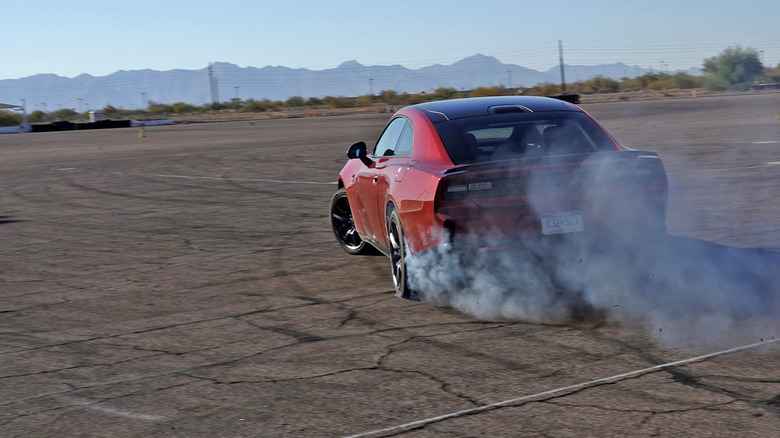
(686, 292)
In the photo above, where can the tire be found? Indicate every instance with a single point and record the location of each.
(343, 226)
(397, 246)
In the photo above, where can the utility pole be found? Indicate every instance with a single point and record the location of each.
(509, 78)
(213, 84)
(24, 114)
(560, 55)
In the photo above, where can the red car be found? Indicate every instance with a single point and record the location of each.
(488, 174)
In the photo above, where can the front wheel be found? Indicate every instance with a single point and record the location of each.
(344, 225)
(397, 240)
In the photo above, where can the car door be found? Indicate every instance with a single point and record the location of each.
(367, 182)
(391, 168)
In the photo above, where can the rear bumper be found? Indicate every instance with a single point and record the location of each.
(508, 228)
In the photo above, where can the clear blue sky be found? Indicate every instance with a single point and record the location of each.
(70, 37)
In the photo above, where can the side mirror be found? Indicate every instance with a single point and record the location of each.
(358, 150)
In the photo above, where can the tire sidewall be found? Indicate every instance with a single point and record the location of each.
(402, 288)
(361, 248)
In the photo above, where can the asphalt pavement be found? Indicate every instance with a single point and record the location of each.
(187, 284)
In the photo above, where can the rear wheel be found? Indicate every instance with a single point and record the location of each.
(344, 225)
(397, 241)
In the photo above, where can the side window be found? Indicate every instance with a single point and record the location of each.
(404, 147)
(385, 146)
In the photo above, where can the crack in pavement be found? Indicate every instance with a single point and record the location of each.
(688, 379)
(309, 301)
(300, 338)
(553, 393)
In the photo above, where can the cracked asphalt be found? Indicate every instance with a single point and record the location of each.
(186, 284)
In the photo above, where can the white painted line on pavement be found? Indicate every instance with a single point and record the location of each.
(214, 178)
(108, 410)
(614, 378)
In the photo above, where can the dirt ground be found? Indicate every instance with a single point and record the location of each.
(187, 284)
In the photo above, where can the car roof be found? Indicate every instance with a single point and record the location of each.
(443, 110)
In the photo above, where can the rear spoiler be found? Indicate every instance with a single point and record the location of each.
(571, 98)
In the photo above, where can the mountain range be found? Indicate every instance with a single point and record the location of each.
(224, 81)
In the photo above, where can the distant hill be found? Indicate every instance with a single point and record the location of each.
(575, 73)
(134, 89)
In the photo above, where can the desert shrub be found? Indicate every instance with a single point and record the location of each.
(444, 93)
(734, 69)
(545, 89)
(181, 107)
(389, 97)
(339, 102)
(295, 102)
(8, 118)
(110, 111)
(364, 100)
(413, 99)
(37, 116)
(253, 105)
(601, 84)
(489, 91)
(156, 108)
(685, 81)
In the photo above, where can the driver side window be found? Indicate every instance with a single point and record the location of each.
(388, 143)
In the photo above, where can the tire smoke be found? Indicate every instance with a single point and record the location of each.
(686, 292)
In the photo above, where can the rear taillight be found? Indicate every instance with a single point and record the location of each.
(460, 188)
(469, 187)
(639, 171)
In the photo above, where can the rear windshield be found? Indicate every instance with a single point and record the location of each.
(518, 135)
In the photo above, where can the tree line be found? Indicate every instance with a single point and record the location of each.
(735, 69)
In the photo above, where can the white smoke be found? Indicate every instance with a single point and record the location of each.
(686, 292)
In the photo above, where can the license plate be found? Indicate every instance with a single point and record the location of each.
(562, 222)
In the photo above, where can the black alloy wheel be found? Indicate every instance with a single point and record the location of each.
(344, 226)
(395, 234)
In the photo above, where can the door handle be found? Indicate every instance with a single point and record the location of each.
(376, 178)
